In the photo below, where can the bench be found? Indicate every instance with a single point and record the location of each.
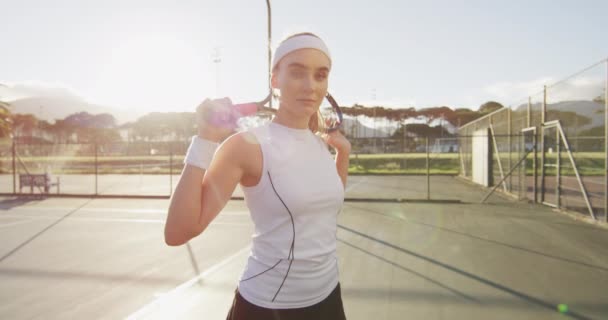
(42, 180)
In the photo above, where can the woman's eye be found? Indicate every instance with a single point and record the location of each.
(298, 74)
(321, 76)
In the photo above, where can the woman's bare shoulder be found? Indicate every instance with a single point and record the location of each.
(242, 142)
(243, 149)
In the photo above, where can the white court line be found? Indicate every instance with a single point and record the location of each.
(356, 184)
(14, 223)
(578, 189)
(24, 208)
(600, 183)
(182, 287)
(163, 211)
(161, 221)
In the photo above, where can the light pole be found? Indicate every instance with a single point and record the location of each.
(269, 20)
(441, 124)
(216, 58)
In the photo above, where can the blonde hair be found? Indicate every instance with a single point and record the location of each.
(316, 124)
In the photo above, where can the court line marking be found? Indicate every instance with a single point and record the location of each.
(594, 194)
(356, 184)
(163, 211)
(588, 181)
(161, 221)
(177, 290)
(88, 209)
(15, 223)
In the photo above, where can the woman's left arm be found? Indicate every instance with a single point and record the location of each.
(342, 146)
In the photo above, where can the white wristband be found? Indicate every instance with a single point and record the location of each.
(200, 152)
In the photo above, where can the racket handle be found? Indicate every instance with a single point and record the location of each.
(246, 109)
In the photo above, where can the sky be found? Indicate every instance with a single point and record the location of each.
(159, 55)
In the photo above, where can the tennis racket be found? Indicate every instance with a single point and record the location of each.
(332, 117)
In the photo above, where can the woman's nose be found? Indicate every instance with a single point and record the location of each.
(309, 84)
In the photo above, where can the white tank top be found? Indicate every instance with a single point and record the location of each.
(294, 208)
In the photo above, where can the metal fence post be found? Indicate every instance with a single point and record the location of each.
(428, 173)
(170, 169)
(542, 145)
(269, 25)
(558, 169)
(96, 165)
(509, 141)
(529, 113)
(14, 154)
(606, 144)
(535, 166)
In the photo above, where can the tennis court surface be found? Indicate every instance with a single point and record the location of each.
(84, 258)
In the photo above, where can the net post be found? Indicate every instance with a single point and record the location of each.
(428, 174)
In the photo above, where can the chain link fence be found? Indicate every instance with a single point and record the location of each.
(559, 135)
(153, 168)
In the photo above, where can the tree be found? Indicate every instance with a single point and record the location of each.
(464, 116)
(157, 125)
(63, 131)
(456, 117)
(599, 99)
(5, 120)
(379, 112)
(24, 124)
(489, 107)
(99, 128)
(103, 120)
(98, 135)
(80, 119)
(421, 130)
(569, 118)
(150, 126)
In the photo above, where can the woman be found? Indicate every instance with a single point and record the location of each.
(292, 186)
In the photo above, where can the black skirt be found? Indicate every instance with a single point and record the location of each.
(330, 308)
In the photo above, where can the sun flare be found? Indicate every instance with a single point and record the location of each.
(149, 73)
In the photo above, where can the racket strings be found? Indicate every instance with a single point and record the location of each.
(335, 117)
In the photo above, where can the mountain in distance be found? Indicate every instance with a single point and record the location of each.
(50, 108)
(51, 104)
(48, 102)
(589, 109)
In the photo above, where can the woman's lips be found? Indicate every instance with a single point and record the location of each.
(307, 100)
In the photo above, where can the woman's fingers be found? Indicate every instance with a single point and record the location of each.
(216, 119)
(336, 140)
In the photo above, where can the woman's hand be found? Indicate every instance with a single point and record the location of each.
(216, 119)
(342, 146)
(338, 141)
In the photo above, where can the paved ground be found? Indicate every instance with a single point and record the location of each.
(383, 187)
(106, 259)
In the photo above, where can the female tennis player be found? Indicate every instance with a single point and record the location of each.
(293, 187)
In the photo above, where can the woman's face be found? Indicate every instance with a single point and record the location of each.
(301, 76)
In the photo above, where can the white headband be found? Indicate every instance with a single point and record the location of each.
(296, 43)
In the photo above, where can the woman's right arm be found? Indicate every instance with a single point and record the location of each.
(201, 194)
